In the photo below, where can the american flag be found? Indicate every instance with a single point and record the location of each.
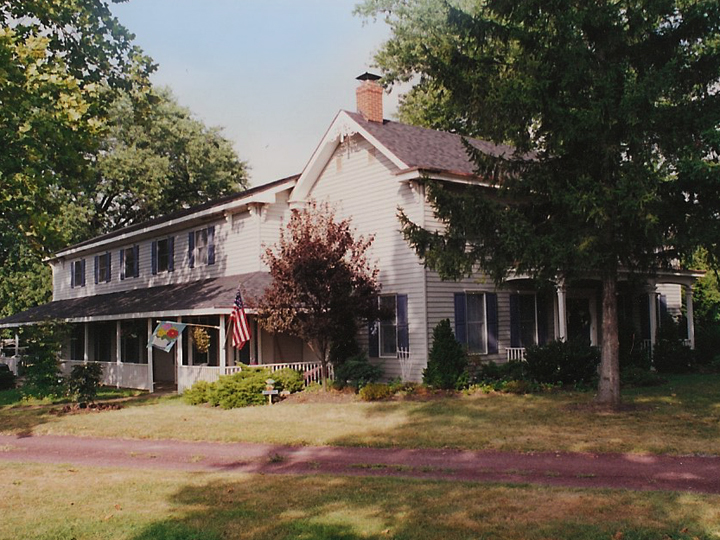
(240, 326)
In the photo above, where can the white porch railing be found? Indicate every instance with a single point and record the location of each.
(189, 375)
(124, 375)
(515, 353)
(11, 361)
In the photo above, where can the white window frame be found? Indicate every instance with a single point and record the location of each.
(484, 333)
(166, 242)
(77, 267)
(536, 337)
(387, 322)
(201, 257)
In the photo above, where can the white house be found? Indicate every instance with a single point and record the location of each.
(187, 266)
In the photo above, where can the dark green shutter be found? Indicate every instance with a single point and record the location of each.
(154, 256)
(492, 322)
(403, 335)
(211, 244)
(191, 248)
(460, 318)
(171, 254)
(122, 264)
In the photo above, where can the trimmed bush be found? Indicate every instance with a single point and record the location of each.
(447, 362)
(356, 372)
(288, 379)
(566, 362)
(515, 370)
(240, 389)
(84, 382)
(7, 378)
(199, 393)
(375, 392)
(639, 377)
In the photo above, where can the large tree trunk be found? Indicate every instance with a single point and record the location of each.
(609, 384)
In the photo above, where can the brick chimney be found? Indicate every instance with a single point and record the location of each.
(370, 97)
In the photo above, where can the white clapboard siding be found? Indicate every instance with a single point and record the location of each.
(361, 183)
(238, 244)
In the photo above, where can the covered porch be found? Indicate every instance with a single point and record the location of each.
(114, 330)
(564, 311)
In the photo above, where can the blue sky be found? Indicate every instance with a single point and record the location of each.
(272, 73)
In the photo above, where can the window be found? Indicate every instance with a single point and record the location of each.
(388, 326)
(476, 321)
(103, 336)
(102, 268)
(77, 342)
(201, 247)
(163, 255)
(390, 333)
(130, 262)
(523, 320)
(133, 338)
(77, 273)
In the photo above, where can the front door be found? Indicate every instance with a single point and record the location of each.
(164, 369)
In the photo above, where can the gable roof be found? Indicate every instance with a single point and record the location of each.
(428, 149)
(214, 206)
(413, 150)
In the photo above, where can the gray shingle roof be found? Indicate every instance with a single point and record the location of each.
(424, 148)
(197, 295)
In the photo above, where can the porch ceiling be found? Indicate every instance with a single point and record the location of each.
(212, 295)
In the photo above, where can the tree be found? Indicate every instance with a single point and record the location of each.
(613, 110)
(87, 145)
(157, 158)
(323, 283)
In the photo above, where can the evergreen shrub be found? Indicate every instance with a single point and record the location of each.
(7, 378)
(84, 382)
(288, 379)
(356, 372)
(670, 355)
(199, 393)
(566, 362)
(448, 361)
(240, 389)
(375, 391)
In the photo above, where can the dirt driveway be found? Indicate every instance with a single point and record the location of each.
(629, 471)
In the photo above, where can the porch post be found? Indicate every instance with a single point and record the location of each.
(150, 356)
(86, 344)
(690, 315)
(179, 346)
(17, 344)
(561, 312)
(652, 311)
(222, 349)
(118, 349)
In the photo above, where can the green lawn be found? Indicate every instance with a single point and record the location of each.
(682, 417)
(62, 503)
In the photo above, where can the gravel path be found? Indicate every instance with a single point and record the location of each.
(628, 471)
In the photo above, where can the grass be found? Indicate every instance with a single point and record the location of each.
(682, 417)
(53, 501)
(15, 397)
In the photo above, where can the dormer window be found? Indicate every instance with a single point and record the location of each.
(201, 247)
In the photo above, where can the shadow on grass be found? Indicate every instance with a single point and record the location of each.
(685, 406)
(21, 418)
(347, 509)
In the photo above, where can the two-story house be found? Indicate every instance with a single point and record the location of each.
(187, 266)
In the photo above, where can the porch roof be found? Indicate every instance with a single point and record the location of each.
(207, 296)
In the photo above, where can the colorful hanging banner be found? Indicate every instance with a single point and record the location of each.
(166, 334)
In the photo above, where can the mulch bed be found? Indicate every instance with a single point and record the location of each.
(76, 408)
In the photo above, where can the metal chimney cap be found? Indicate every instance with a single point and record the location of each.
(368, 77)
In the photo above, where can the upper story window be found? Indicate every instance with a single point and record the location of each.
(201, 247)
(102, 268)
(130, 262)
(77, 273)
(390, 334)
(163, 255)
(476, 321)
